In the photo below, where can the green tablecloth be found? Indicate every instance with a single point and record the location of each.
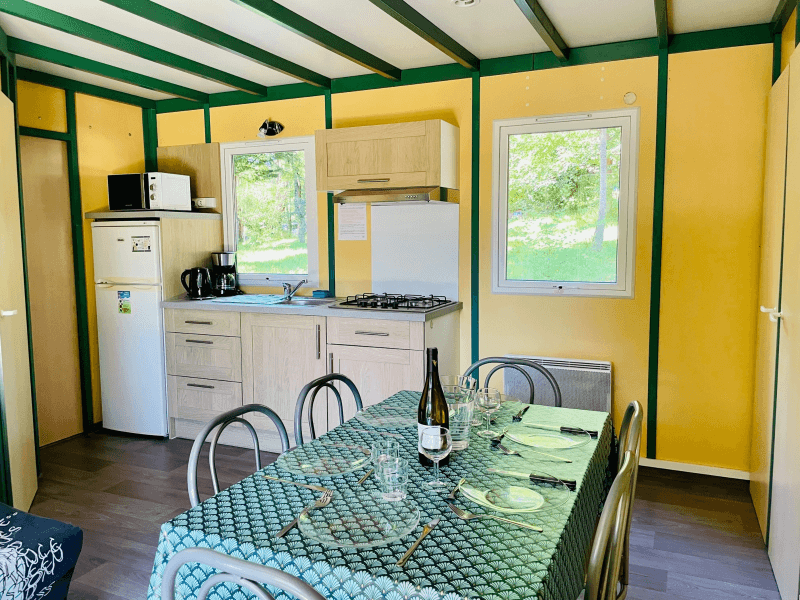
(459, 559)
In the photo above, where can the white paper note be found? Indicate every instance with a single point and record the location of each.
(352, 222)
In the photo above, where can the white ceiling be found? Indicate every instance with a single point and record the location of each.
(491, 29)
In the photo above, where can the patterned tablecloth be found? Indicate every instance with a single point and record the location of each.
(459, 559)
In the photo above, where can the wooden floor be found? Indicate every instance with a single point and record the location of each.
(693, 537)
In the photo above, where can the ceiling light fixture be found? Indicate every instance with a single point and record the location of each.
(465, 3)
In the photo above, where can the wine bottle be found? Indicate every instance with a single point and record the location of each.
(433, 408)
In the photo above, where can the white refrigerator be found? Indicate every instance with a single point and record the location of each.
(130, 328)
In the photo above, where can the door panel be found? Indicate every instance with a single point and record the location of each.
(766, 349)
(784, 546)
(54, 321)
(15, 392)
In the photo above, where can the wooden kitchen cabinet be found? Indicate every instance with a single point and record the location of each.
(280, 354)
(422, 153)
(201, 162)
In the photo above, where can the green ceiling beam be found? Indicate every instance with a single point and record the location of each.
(662, 23)
(782, 13)
(287, 19)
(413, 20)
(544, 27)
(82, 88)
(55, 20)
(204, 33)
(79, 63)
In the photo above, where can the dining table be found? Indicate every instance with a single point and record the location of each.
(459, 559)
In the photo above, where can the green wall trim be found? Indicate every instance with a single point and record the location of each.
(662, 23)
(544, 27)
(655, 270)
(45, 133)
(4, 44)
(596, 54)
(207, 122)
(79, 63)
(31, 366)
(150, 136)
(748, 35)
(79, 264)
(504, 66)
(410, 18)
(475, 218)
(55, 20)
(797, 27)
(301, 26)
(204, 33)
(331, 228)
(782, 14)
(776, 56)
(83, 88)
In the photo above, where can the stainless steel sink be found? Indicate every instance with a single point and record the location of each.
(307, 302)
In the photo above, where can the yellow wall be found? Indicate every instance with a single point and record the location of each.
(109, 141)
(180, 128)
(450, 101)
(787, 39)
(41, 107)
(716, 128)
(590, 328)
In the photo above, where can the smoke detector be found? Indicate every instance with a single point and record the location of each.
(465, 3)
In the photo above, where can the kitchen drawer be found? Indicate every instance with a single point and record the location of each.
(375, 333)
(210, 322)
(204, 356)
(201, 399)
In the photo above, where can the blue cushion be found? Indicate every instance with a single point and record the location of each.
(37, 555)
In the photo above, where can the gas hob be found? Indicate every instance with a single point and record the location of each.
(396, 302)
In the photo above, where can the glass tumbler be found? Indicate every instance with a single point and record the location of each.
(393, 477)
(460, 395)
(384, 450)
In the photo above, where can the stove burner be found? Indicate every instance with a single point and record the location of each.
(394, 301)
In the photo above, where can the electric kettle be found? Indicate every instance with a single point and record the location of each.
(199, 285)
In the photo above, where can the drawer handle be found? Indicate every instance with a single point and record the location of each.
(198, 322)
(200, 385)
(386, 180)
(319, 345)
(198, 342)
(380, 333)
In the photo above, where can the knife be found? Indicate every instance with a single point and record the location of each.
(425, 531)
(570, 483)
(518, 417)
(572, 430)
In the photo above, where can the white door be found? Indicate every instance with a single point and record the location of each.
(15, 376)
(131, 344)
(126, 254)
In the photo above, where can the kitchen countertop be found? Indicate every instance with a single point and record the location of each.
(319, 311)
(127, 215)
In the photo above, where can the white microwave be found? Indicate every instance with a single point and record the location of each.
(149, 191)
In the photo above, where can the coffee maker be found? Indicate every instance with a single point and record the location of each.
(223, 274)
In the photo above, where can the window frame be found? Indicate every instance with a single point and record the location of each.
(231, 149)
(628, 120)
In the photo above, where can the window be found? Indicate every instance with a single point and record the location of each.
(564, 205)
(270, 210)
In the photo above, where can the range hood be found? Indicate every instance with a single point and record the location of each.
(409, 194)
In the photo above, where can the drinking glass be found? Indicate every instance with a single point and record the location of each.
(489, 400)
(383, 450)
(393, 477)
(460, 395)
(436, 443)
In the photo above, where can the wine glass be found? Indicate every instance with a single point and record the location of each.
(489, 400)
(435, 443)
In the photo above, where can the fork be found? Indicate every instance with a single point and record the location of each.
(468, 516)
(324, 500)
(452, 495)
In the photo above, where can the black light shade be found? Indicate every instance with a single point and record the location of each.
(269, 128)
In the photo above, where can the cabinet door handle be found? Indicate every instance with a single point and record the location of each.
(319, 349)
(7, 313)
(380, 333)
(331, 358)
(199, 342)
(373, 180)
(200, 385)
(198, 322)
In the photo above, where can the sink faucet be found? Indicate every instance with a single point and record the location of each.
(289, 291)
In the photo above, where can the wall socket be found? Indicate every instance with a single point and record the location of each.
(204, 202)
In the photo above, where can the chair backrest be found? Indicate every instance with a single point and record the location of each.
(313, 388)
(630, 436)
(605, 558)
(222, 421)
(237, 571)
(507, 362)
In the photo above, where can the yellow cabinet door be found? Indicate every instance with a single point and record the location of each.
(280, 354)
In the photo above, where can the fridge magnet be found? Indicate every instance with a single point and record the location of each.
(124, 303)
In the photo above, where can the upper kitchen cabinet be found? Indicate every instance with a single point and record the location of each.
(201, 162)
(423, 153)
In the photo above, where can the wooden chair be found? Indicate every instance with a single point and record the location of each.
(240, 572)
(630, 436)
(222, 421)
(507, 362)
(606, 554)
(314, 388)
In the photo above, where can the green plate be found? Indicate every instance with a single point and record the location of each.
(508, 495)
(548, 441)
